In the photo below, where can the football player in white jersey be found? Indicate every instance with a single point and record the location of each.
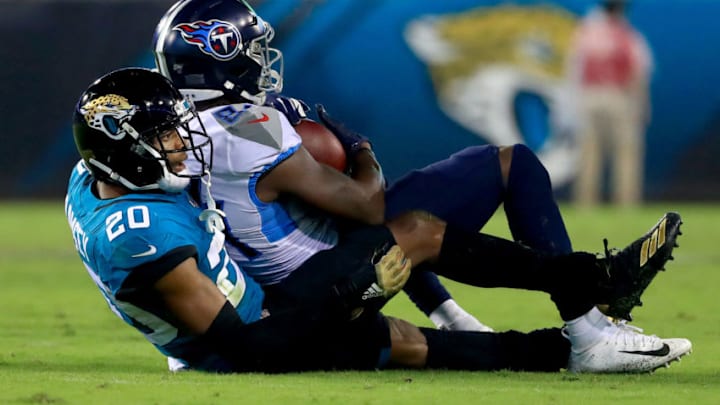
(267, 181)
(218, 53)
(302, 231)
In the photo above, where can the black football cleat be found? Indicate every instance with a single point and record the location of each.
(629, 271)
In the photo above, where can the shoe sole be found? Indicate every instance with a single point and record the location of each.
(666, 364)
(673, 360)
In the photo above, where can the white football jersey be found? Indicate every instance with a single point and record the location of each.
(269, 240)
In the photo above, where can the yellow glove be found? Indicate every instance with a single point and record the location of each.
(392, 271)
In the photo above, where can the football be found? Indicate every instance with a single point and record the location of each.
(322, 144)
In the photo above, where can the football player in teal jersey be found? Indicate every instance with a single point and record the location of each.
(161, 264)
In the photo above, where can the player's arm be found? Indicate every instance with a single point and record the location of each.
(361, 197)
(267, 344)
(192, 298)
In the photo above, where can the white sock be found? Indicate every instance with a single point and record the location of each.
(587, 329)
(449, 315)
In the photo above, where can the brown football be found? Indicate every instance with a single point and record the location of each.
(322, 144)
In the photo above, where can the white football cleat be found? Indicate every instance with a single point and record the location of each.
(624, 350)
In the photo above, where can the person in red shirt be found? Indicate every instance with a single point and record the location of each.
(610, 67)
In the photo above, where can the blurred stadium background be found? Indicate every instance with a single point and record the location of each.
(388, 68)
(382, 67)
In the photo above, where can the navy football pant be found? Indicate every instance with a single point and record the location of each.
(465, 190)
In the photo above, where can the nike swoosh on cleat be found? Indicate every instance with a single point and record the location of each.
(261, 119)
(151, 251)
(663, 351)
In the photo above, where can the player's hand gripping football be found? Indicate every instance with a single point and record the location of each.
(294, 110)
(393, 271)
(351, 141)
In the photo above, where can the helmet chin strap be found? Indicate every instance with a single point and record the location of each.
(169, 181)
(212, 216)
(258, 99)
(172, 183)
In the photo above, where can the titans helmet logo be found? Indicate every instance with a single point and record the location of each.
(108, 114)
(216, 38)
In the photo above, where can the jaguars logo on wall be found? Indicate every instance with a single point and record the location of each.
(499, 72)
(108, 113)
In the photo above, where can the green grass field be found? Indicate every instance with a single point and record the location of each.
(59, 343)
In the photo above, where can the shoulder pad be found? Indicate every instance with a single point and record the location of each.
(258, 124)
(158, 231)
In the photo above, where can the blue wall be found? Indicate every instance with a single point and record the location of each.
(352, 56)
(354, 59)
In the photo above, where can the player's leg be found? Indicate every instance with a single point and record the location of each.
(465, 189)
(543, 350)
(487, 261)
(301, 338)
(574, 281)
(530, 207)
(472, 184)
(627, 154)
(586, 190)
(306, 337)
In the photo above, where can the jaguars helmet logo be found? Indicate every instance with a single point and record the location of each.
(108, 114)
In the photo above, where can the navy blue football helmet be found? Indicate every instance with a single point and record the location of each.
(211, 49)
(118, 125)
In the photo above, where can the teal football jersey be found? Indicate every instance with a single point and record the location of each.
(128, 243)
